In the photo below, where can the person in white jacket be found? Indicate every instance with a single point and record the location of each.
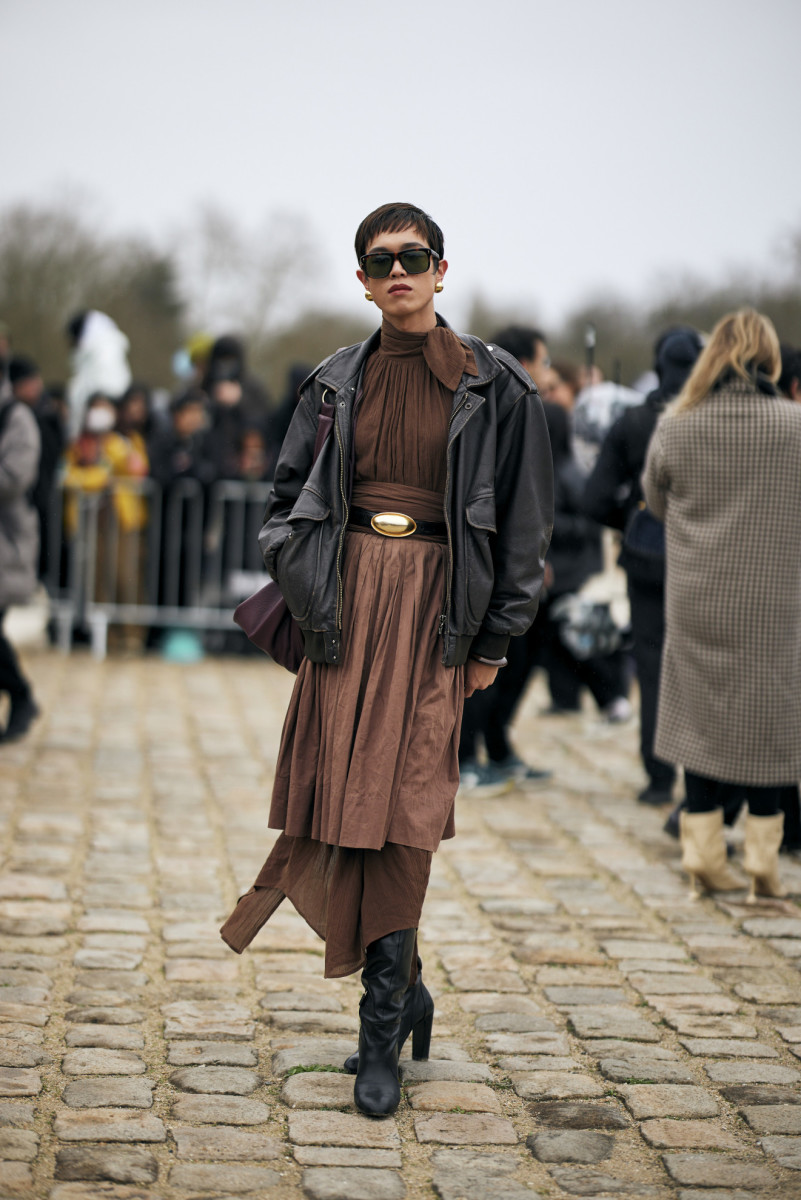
(99, 362)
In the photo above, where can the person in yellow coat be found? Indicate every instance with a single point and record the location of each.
(95, 462)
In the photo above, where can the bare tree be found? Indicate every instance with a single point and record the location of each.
(48, 263)
(54, 263)
(248, 281)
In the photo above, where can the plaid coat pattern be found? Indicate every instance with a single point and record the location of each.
(725, 478)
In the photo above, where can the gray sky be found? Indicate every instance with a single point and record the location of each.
(566, 147)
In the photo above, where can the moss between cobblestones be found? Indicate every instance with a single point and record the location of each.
(242, 689)
(306, 1070)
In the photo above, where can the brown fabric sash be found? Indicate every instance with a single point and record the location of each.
(415, 502)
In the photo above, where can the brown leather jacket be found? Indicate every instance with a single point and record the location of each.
(498, 505)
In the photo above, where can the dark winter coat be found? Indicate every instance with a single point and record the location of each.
(575, 553)
(498, 505)
(53, 437)
(173, 458)
(612, 491)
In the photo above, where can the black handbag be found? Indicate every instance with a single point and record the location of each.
(643, 551)
(265, 616)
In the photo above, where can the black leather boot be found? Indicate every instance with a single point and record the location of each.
(385, 978)
(417, 1018)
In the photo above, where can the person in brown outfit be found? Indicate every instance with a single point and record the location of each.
(409, 550)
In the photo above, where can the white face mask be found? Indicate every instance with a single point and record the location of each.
(100, 420)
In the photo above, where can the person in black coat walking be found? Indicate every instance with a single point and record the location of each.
(613, 496)
(574, 556)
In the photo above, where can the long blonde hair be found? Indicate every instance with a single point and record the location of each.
(742, 342)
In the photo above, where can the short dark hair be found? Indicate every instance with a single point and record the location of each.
(392, 218)
(519, 340)
(20, 366)
(137, 389)
(791, 369)
(99, 397)
(193, 395)
(74, 327)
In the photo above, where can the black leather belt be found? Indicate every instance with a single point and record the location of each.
(395, 524)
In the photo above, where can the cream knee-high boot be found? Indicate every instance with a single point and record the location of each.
(703, 852)
(763, 837)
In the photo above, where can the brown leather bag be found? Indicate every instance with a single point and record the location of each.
(264, 616)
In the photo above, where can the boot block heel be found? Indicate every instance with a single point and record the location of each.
(764, 887)
(421, 1037)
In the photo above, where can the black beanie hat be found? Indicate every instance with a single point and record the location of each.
(675, 354)
(21, 367)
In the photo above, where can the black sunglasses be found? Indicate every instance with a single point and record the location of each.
(414, 261)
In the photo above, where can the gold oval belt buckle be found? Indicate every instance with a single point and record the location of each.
(392, 524)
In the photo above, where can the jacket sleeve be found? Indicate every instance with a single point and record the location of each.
(524, 520)
(605, 490)
(656, 477)
(291, 472)
(20, 447)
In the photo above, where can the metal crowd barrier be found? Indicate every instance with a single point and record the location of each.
(137, 557)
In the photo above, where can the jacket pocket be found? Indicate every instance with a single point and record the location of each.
(298, 560)
(480, 571)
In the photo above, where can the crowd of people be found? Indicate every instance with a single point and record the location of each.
(102, 428)
(221, 424)
(599, 483)
(101, 432)
(434, 529)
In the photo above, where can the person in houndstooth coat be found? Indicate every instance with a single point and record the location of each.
(724, 473)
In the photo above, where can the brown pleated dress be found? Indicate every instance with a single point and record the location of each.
(367, 769)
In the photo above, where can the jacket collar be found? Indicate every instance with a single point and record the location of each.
(346, 365)
(734, 382)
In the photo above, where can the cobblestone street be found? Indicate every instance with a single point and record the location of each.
(598, 1033)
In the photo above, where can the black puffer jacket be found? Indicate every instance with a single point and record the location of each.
(498, 505)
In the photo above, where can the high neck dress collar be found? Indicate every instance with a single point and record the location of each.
(447, 358)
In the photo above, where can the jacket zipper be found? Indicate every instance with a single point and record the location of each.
(443, 620)
(341, 445)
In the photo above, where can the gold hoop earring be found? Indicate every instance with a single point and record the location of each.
(438, 287)
(368, 295)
